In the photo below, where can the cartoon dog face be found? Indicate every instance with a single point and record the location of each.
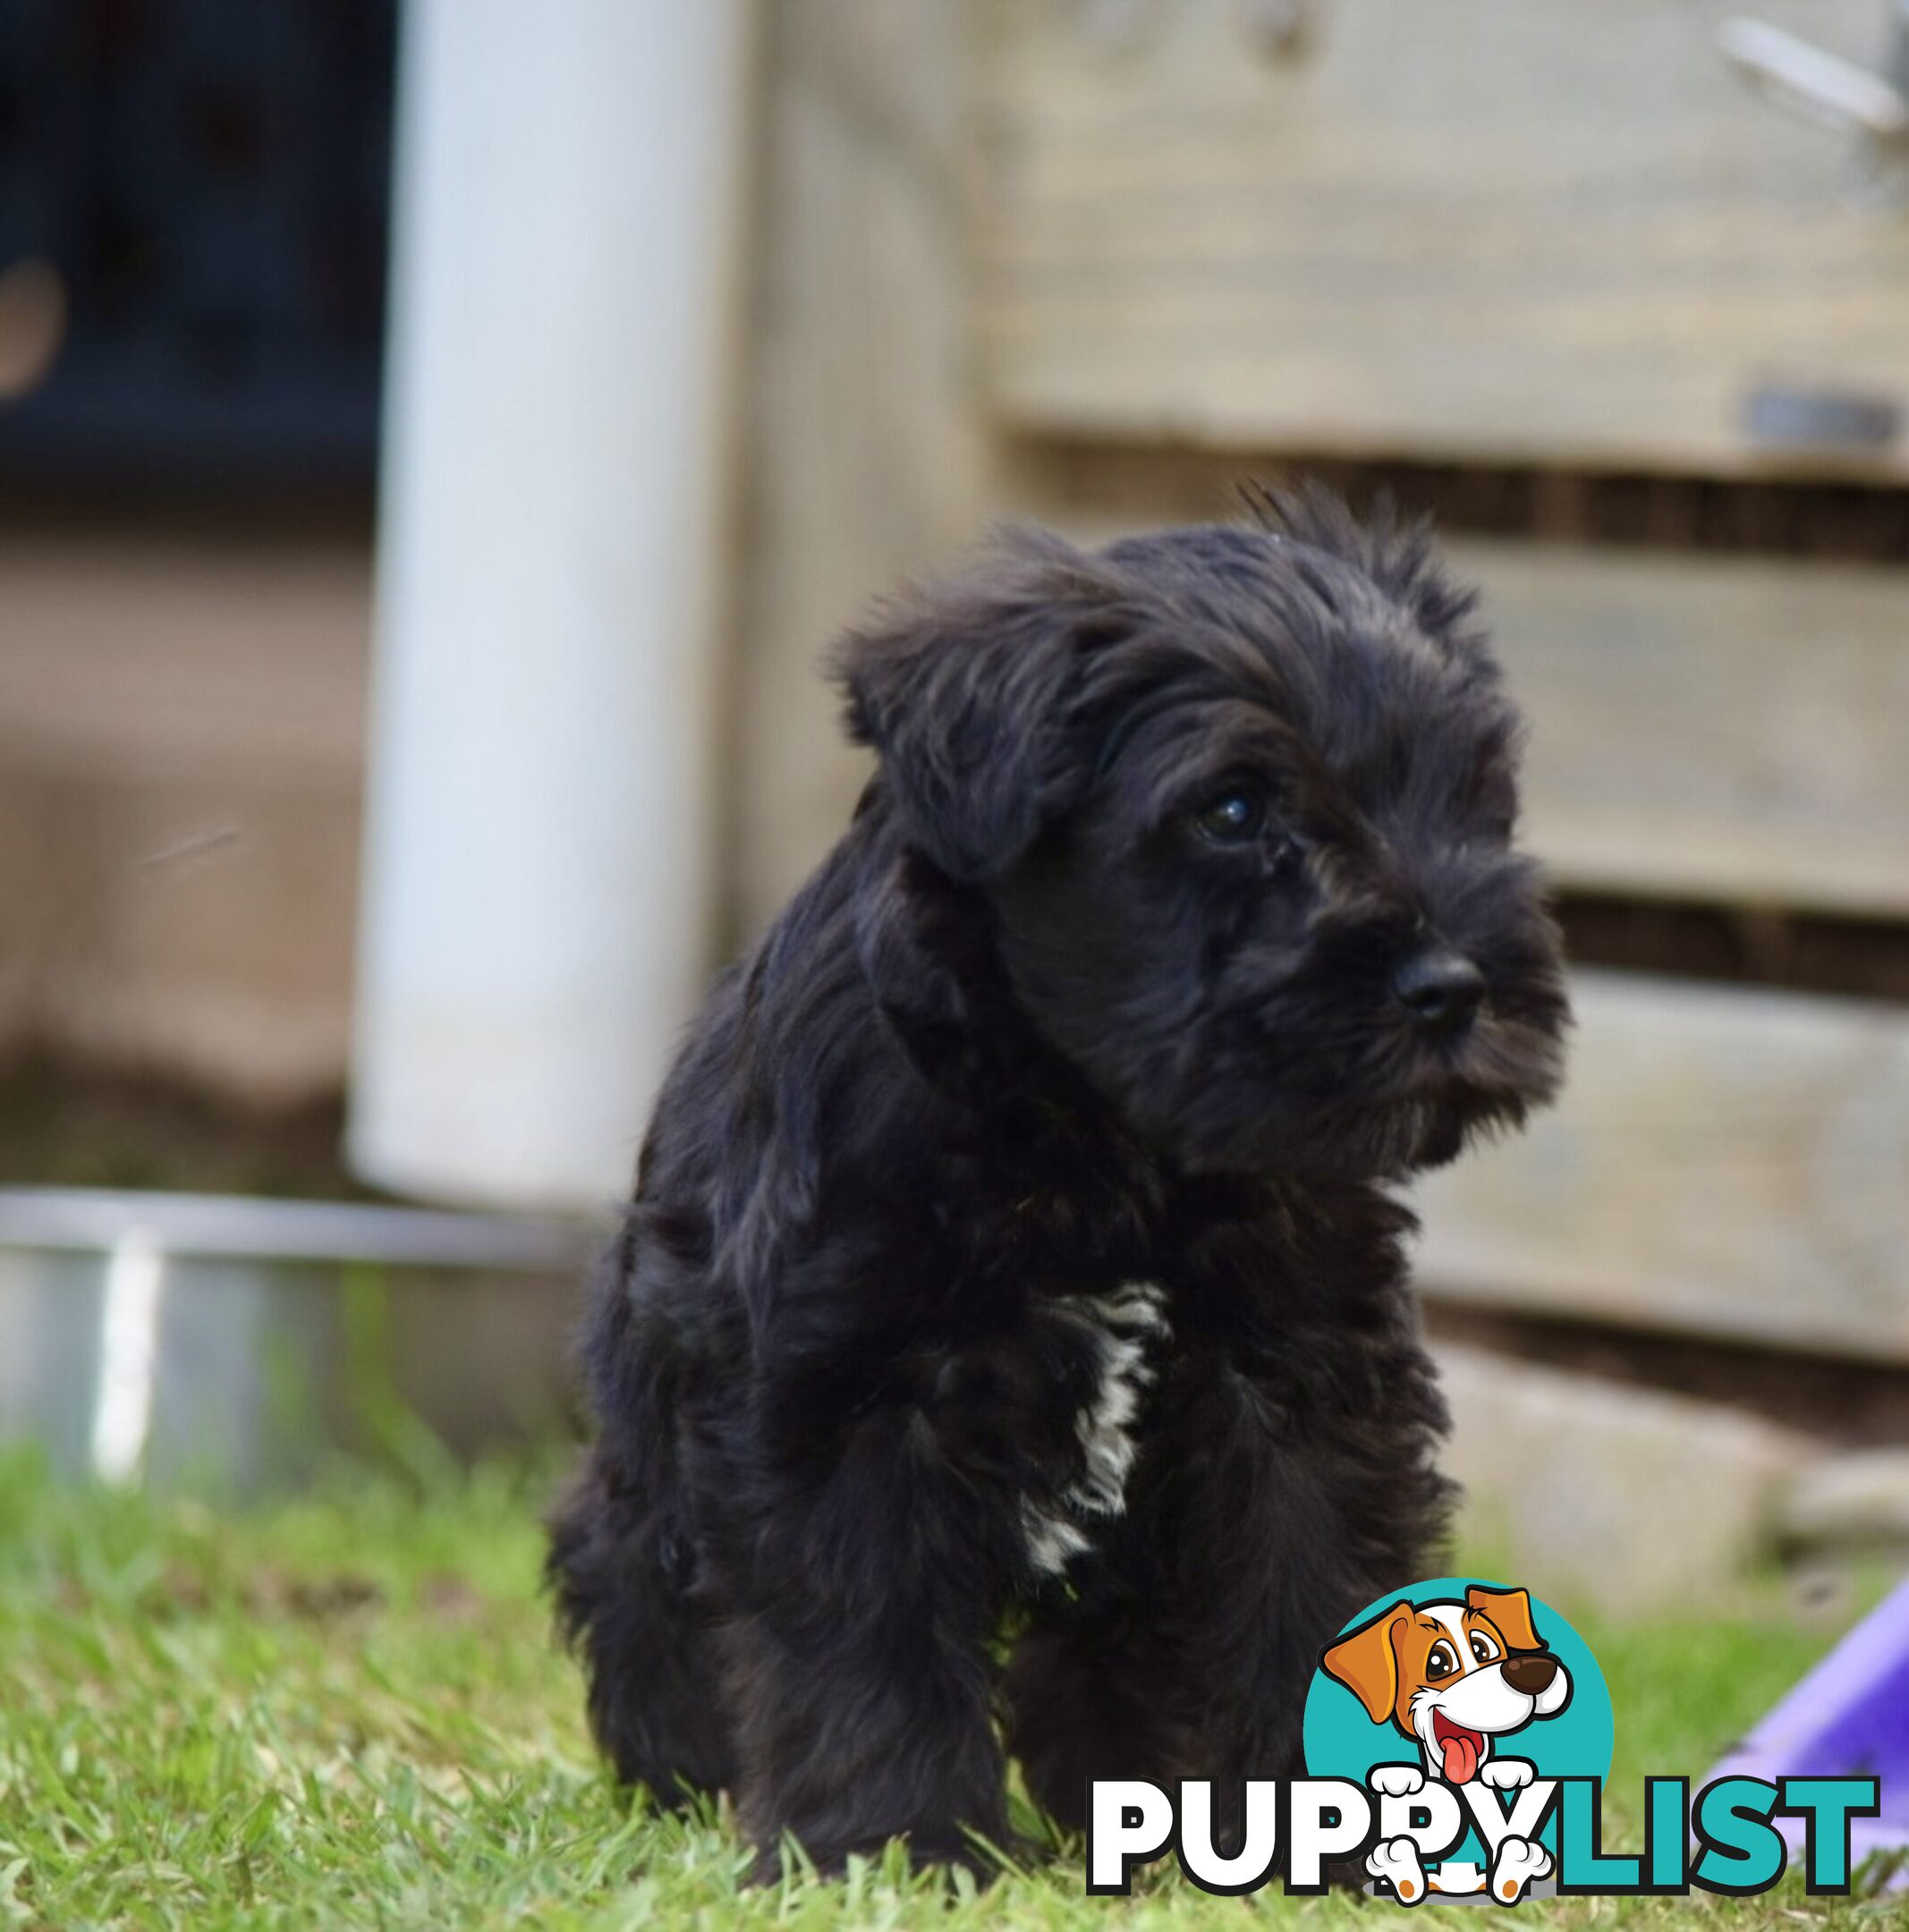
(1453, 1675)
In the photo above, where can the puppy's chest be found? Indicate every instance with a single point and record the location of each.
(1109, 1351)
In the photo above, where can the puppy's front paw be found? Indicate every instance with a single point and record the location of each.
(1396, 1861)
(1518, 1861)
(1397, 1781)
(1506, 1774)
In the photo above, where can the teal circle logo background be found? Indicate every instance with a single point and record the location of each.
(1342, 1741)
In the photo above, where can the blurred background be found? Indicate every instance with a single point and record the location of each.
(434, 451)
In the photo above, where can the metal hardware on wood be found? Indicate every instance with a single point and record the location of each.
(1797, 417)
(1869, 105)
(1276, 28)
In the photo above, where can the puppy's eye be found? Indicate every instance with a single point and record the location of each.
(1235, 818)
(1443, 1660)
(1482, 1648)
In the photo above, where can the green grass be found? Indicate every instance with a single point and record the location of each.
(347, 1710)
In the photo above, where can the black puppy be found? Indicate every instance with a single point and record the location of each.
(1016, 1231)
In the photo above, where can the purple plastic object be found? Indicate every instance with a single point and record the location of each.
(1849, 1716)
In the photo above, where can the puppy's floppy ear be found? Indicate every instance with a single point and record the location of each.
(963, 688)
(927, 946)
(1511, 1611)
(1366, 1661)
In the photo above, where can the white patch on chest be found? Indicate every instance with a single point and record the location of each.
(1124, 1325)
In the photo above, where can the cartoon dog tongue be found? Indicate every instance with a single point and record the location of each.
(1460, 1748)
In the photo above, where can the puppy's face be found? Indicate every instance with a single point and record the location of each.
(1453, 1675)
(1262, 888)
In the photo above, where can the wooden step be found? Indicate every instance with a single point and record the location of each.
(1542, 233)
(1723, 1162)
(1710, 729)
(181, 727)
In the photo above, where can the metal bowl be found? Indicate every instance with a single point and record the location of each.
(233, 1343)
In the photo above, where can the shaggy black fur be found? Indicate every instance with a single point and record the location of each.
(1143, 962)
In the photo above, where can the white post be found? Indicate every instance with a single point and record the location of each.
(537, 854)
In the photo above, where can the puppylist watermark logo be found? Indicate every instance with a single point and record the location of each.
(1457, 1740)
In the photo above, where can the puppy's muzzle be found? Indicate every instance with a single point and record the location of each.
(1440, 990)
(1531, 1674)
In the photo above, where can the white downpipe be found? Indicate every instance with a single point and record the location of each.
(538, 842)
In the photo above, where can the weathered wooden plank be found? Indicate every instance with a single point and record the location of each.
(868, 460)
(1710, 729)
(1723, 1162)
(1540, 231)
(182, 724)
(184, 652)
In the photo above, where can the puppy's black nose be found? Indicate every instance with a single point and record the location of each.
(1531, 1674)
(1440, 989)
